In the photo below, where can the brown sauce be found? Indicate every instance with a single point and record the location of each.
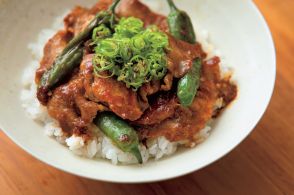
(154, 110)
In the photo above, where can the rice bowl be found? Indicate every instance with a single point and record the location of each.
(223, 137)
(100, 146)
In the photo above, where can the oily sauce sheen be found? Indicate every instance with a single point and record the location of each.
(154, 109)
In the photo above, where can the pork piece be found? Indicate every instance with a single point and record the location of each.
(167, 82)
(135, 8)
(146, 90)
(100, 5)
(71, 109)
(149, 89)
(181, 55)
(77, 20)
(114, 94)
(52, 49)
(120, 100)
(186, 122)
(155, 86)
(162, 107)
(227, 91)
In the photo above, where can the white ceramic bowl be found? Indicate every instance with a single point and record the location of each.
(236, 27)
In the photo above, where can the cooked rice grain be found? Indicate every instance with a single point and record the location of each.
(100, 146)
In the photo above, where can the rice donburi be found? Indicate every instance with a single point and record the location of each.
(120, 71)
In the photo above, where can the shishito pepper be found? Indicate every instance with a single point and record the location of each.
(123, 135)
(188, 85)
(181, 27)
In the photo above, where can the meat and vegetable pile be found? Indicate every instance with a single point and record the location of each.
(135, 74)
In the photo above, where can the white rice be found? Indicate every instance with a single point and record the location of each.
(100, 146)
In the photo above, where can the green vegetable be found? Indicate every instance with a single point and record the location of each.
(101, 32)
(122, 135)
(133, 54)
(180, 25)
(189, 84)
(62, 66)
(128, 27)
(71, 56)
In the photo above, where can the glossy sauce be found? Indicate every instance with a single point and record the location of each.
(154, 110)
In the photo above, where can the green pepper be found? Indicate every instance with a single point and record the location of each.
(65, 65)
(123, 136)
(189, 84)
(180, 25)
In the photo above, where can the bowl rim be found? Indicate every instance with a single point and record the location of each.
(268, 36)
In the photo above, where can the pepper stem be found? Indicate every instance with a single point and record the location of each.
(112, 10)
(136, 152)
(113, 6)
(172, 5)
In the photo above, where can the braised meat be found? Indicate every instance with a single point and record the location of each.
(114, 94)
(154, 110)
(71, 109)
(162, 107)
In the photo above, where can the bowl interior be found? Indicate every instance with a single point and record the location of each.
(236, 28)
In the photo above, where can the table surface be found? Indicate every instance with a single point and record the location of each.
(262, 164)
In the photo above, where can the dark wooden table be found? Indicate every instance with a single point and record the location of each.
(263, 164)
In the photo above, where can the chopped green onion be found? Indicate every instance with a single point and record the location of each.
(133, 54)
(100, 32)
